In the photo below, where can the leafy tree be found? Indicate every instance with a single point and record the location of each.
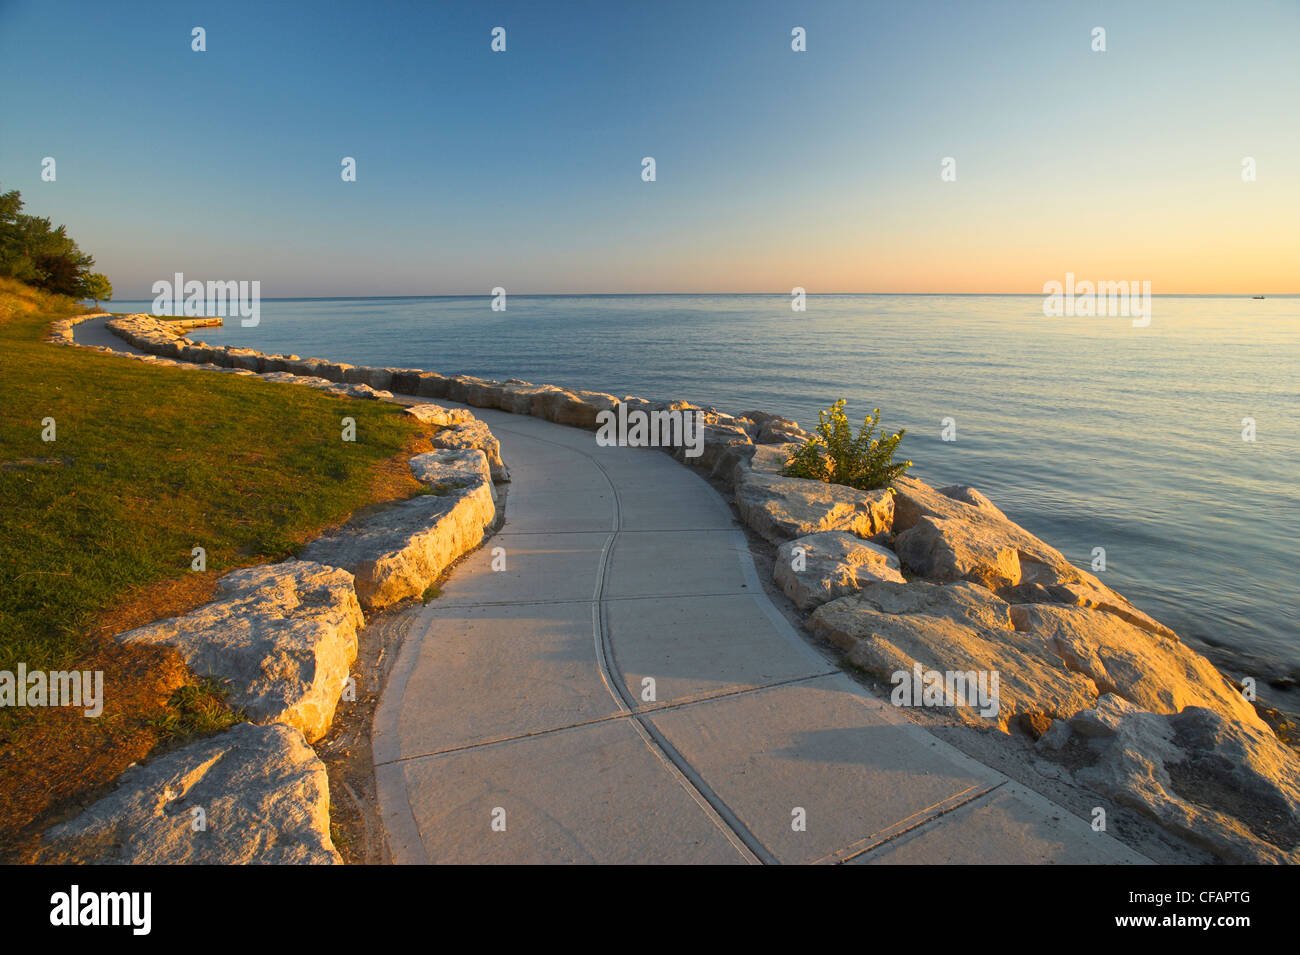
(97, 286)
(35, 251)
(835, 456)
(11, 203)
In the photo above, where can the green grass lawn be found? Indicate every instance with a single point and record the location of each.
(97, 527)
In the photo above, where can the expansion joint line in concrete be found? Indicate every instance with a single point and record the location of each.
(584, 600)
(690, 780)
(656, 709)
(931, 815)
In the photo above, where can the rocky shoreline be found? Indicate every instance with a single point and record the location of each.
(909, 577)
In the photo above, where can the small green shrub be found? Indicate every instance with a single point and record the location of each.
(833, 455)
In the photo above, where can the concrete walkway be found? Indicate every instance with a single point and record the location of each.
(518, 725)
(94, 333)
(521, 698)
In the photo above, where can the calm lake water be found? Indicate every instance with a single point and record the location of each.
(1088, 431)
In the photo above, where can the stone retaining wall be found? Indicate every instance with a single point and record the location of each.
(281, 639)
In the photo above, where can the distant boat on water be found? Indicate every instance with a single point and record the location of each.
(1257, 296)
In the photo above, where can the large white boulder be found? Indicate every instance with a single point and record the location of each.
(473, 434)
(519, 397)
(251, 794)
(398, 550)
(781, 508)
(1154, 672)
(459, 467)
(280, 637)
(439, 416)
(959, 628)
(948, 550)
(819, 567)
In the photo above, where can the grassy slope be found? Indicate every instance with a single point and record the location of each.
(96, 530)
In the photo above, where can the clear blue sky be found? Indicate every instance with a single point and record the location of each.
(775, 169)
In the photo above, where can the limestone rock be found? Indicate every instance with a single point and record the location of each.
(440, 416)
(281, 637)
(263, 792)
(916, 499)
(517, 396)
(307, 367)
(647, 405)
(781, 508)
(965, 494)
(579, 409)
(284, 377)
(835, 563)
(380, 379)
(1224, 785)
(758, 418)
(1153, 672)
(406, 381)
(359, 391)
(474, 434)
(725, 446)
(781, 431)
(453, 468)
(763, 460)
(398, 550)
(321, 384)
(334, 371)
(1040, 583)
(968, 537)
(948, 550)
(480, 393)
(460, 386)
(773, 429)
(197, 354)
(432, 385)
(246, 358)
(960, 627)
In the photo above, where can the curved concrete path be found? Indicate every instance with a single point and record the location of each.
(520, 723)
(94, 333)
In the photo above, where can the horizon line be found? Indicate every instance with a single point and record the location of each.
(783, 293)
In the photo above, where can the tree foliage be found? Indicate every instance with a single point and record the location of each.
(97, 288)
(35, 251)
(835, 456)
